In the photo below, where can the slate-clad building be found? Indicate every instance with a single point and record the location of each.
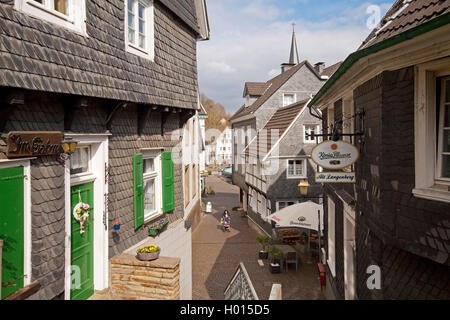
(119, 77)
(278, 159)
(388, 235)
(264, 102)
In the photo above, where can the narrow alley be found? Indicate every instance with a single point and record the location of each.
(216, 254)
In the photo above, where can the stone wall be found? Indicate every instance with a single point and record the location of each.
(132, 279)
(175, 242)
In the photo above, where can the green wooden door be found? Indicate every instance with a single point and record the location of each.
(11, 229)
(82, 253)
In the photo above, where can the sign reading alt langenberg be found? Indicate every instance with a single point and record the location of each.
(334, 154)
(335, 177)
(33, 143)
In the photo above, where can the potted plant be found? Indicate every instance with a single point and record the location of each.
(157, 227)
(276, 257)
(263, 241)
(148, 253)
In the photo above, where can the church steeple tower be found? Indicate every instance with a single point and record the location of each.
(294, 59)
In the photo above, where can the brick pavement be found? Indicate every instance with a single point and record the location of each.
(216, 254)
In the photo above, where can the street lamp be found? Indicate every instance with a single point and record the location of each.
(303, 187)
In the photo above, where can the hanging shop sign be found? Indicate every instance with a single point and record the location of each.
(33, 143)
(335, 154)
(335, 177)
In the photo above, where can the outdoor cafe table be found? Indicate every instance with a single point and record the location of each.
(288, 249)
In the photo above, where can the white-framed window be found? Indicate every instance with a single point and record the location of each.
(432, 131)
(296, 168)
(310, 129)
(80, 161)
(331, 237)
(139, 28)
(152, 185)
(443, 162)
(288, 98)
(70, 14)
(283, 204)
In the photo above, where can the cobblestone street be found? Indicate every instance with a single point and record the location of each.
(216, 254)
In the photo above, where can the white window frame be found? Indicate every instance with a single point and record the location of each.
(304, 168)
(441, 130)
(294, 98)
(75, 20)
(277, 205)
(428, 185)
(156, 176)
(307, 129)
(149, 51)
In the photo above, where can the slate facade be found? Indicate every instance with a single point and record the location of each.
(406, 236)
(53, 79)
(385, 225)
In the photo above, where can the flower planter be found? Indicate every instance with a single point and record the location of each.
(263, 255)
(154, 231)
(275, 268)
(148, 256)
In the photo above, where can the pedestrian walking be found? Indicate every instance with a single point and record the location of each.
(226, 221)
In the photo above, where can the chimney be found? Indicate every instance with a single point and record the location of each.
(319, 66)
(286, 66)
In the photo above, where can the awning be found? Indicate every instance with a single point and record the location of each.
(301, 215)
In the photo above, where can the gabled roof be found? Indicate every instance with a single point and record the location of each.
(277, 126)
(272, 86)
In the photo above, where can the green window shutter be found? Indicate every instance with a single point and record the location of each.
(138, 179)
(11, 230)
(168, 190)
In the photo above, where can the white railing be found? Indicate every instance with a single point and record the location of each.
(240, 286)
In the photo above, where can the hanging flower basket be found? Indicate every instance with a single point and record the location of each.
(148, 253)
(158, 227)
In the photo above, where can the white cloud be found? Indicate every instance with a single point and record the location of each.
(261, 9)
(220, 67)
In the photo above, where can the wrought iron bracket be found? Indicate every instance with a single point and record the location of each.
(112, 113)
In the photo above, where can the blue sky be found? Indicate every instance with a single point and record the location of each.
(251, 38)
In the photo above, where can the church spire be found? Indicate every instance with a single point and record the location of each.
(294, 59)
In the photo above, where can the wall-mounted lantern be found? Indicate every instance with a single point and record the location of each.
(68, 145)
(303, 187)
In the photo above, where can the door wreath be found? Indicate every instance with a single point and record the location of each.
(81, 213)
